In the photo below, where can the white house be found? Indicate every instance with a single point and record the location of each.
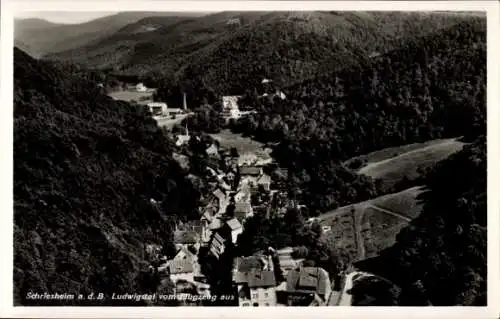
(256, 288)
(158, 108)
(236, 229)
(230, 107)
(140, 87)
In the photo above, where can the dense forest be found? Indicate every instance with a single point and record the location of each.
(440, 258)
(85, 170)
(430, 88)
(210, 52)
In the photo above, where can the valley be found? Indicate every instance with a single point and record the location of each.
(303, 155)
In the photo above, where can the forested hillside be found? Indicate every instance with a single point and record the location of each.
(430, 88)
(85, 169)
(440, 259)
(229, 51)
(44, 37)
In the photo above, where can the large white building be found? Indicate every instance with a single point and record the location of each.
(158, 108)
(230, 108)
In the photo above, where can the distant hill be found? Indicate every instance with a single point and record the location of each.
(228, 51)
(44, 37)
(85, 169)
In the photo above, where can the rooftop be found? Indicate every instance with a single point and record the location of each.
(242, 207)
(185, 237)
(256, 278)
(246, 264)
(233, 223)
(308, 279)
(250, 170)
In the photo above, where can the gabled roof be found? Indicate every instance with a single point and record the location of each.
(256, 278)
(242, 207)
(180, 266)
(250, 170)
(185, 237)
(212, 149)
(264, 179)
(216, 224)
(263, 278)
(219, 194)
(312, 279)
(208, 215)
(246, 264)
(233, 223)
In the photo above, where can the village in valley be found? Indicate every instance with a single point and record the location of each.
(240, 186)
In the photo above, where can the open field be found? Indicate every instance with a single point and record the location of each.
(394, 164)
(129, 96)
(364, 229)
(245, 145)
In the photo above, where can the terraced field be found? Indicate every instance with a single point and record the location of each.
(364, 229)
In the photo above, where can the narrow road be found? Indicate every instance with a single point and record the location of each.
(345, 298)
(357, 218)
(389, 212)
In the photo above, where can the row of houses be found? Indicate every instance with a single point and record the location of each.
(257, 285)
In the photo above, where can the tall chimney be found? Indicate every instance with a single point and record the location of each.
(184, 104)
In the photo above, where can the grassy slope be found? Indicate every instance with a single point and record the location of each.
(244, 145)
(393, 164)
(374, 224)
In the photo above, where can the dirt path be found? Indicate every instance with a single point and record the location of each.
(358, 217)
(389, 212)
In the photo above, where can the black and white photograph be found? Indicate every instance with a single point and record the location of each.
(250, 158)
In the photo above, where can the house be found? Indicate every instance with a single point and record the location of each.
(140, 87)
(306, 282)
(256, 288)
(243, 210)
(219, 194)
(183, 138)
(217, 245)
(206, 219)
(230, 108)
(234, 21)
(172, 112)
(280, 94)
(186, 237)
(254, 171)
(158, 108)
(183, 266)
(289, 264)
(235, 227)
(246, 264)
(243, 194)
(326, 229)
(212, 150)
(265, 181)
